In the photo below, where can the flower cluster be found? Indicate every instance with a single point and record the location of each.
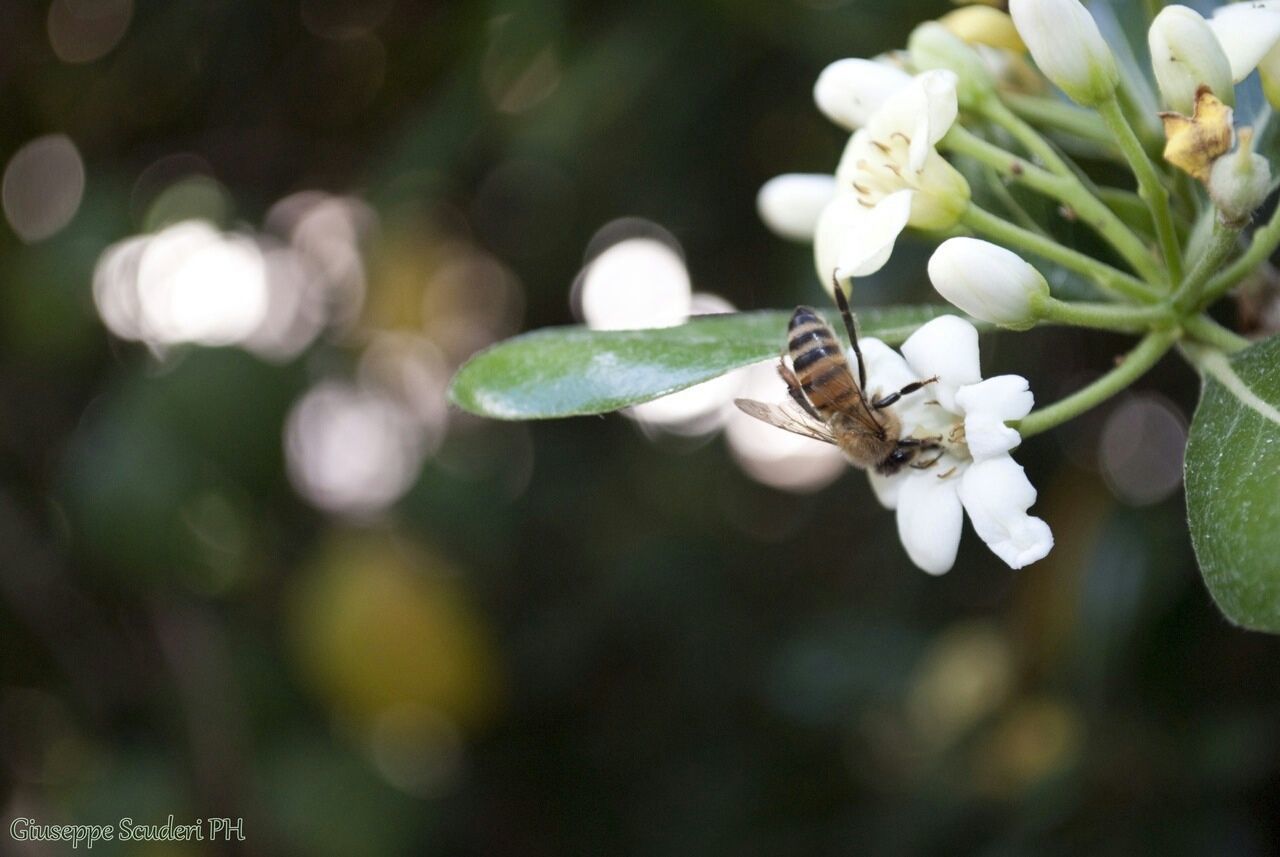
(971, 97)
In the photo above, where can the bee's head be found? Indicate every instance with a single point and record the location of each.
(900, 457)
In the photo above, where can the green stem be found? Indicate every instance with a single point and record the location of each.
(1012, 207)
(1066, 189)
(1208, 331)
(1265, 240)
(1117, 317)
(1221, 243)
(1135, 364)
(1141, 116)
(1108, 278)
(1129, 207)
(1055, 113)
(1030, 139)
(1149, 186)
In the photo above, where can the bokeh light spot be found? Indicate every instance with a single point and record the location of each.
(1141, 449)
(85, 30)
(197, 285)
(43, 187)
(352, 451)
(636, 283)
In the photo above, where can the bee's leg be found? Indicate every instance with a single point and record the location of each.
(850, 329)
(929, 445)
(905, 391)
(797, 394)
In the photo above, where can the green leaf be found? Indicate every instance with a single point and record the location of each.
(572, 371)
(1233, 483)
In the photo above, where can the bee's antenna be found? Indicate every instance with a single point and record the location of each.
(851, 329)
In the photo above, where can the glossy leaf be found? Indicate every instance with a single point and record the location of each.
(1233, 484)
(572, 371)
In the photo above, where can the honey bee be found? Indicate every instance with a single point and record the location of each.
(834, 407)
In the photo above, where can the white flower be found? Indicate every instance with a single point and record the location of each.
(987, 281)
(1065, 42)
(1249, 33)
(1185, 54)
(850, 91)
(790, 204)
(891, 176)
(975, 474)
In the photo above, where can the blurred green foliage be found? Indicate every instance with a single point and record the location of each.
(565, 639)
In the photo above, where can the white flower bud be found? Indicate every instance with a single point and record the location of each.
(1065, 42)
(934, 46)
(790, 204)
(1239, 181)
(1185, 54)
(850, 91)
(987, 281)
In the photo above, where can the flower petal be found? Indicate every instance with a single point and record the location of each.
(924, 112)
(840, 218)
(986, 407)
(946, 347)
(929, 520)
(1246, 31)
(865, 249)
(850, 91)
(791, 204)
(996, 493)
(886, 488)
(941, 106)
(888, 372)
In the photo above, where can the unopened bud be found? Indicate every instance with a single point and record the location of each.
(987, 281)
(850, 91)
(790, 204)
(1240, 181)
(983, 25)
(1065, 42)
(933, 46)
(1185, 55)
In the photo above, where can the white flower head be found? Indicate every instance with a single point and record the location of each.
(1066, 44)
(790, 204)
(892, 176)
(850, 91)
(987, 281)
(975, 473)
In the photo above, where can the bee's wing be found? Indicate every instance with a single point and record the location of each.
(792, 421)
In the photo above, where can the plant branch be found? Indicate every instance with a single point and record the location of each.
(1206, 330)
(1109, 279)
(1055, 113)
(1103, 316)
(1265, 240)
(1065, 188)
(1134, 365)
(1221, 243)
(1150, 187)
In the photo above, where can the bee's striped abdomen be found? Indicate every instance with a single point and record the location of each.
(819, 363)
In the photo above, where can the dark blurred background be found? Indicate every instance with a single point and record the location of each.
(252, 566)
